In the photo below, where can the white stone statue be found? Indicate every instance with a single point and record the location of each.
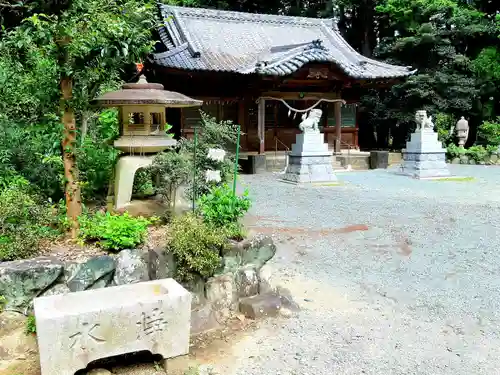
(423, 122)
(462, 129)
(310, 121)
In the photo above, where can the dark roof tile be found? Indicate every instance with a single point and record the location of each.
(203, 39)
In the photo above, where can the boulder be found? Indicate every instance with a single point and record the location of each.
(464, 160)
(95, 273)
(23, 280)
(161, 264)
(197, 288)
(265, 282)
(131, 268)
(259, 252)
(455, 161)
(263, 305)
(256, 253)
(222, 296)
(247, 281)
(493, 158)
(472, 162)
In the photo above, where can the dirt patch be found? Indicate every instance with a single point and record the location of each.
(309, 231)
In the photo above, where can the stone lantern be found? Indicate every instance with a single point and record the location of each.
(142, 129)
(462, 129)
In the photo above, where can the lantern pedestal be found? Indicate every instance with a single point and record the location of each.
(126, 168)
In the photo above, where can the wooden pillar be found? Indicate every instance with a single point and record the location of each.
(338, 123)
(261, 127)
(243, 123)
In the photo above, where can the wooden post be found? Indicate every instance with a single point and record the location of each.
(242, 121)
(261, 129)
(338, 123)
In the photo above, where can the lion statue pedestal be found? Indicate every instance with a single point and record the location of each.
(310, 161)
(424, 155)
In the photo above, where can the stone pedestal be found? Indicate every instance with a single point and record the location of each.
(424, 156)
(310, 161)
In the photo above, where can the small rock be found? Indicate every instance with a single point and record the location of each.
(455, 161)
(472, 162)
(265, 275)
(493, 158)
(222, 296)
(23, 280)
(260, 306)
(247, 281)
(131, 268)
(96, 273)
(286, 313)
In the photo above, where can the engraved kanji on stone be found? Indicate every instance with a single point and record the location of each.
(86, 336)
(152, 322)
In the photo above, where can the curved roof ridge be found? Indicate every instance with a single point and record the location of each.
(232, 15)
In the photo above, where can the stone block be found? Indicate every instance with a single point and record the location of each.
(23, 280)
(222, 296)
(78, 328)
(130, 268)
(379, 159)
(260, 306)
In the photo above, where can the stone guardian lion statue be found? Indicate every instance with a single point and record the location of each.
(310, 121)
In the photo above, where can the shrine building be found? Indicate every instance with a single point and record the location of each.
(255, 69)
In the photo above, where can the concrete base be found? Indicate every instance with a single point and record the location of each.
(310, 160)
(424, 156)
(126, 168)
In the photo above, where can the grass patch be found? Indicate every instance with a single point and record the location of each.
(458, 179)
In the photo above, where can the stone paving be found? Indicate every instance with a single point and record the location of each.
(394, 276)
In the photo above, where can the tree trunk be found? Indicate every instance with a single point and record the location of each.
(72, 188)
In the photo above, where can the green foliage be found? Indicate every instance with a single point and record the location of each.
(453, 151)
(170, 169)
(30, 325)
(113, 232)
(3, 302)
(489, 133)
(444, 123)
(220, 207)
(211, 134)
(97, 156)
(143, 183)
(477, 153)
(196, 246)
(24, 220)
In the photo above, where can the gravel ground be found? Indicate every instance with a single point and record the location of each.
(394, 276)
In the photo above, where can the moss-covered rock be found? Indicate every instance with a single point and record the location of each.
(23, 280)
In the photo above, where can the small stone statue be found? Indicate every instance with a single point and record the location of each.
(310, 122)
(423, 122)
(462, 129)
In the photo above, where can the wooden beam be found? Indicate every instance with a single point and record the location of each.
(261, 125)
(338, 125)
(307, 95)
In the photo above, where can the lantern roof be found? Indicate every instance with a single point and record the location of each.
(143, 93)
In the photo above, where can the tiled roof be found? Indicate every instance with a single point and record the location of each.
(204, 39)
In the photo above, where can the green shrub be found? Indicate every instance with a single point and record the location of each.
(196, 246)
(488, 133)
(24, 220)
(30, 325)
(453, 151)
(477, 153)
(220, 207)
(3, 302)
(113, 232)
(444, 123)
